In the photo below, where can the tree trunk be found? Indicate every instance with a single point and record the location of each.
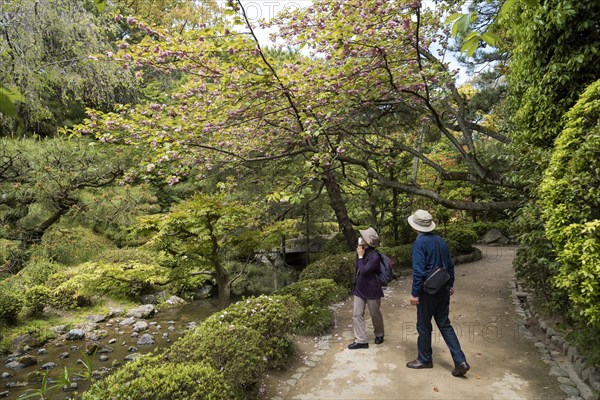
(276, 283)
(222, 284)
(339, 207)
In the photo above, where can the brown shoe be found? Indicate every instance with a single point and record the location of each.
(416, 364)
(461, 369)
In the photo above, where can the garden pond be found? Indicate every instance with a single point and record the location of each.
(109, 341)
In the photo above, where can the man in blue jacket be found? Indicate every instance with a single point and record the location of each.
(430, 251)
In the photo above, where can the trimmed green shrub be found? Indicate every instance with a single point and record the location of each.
(36, 298)
(315, 292)
(315, 320)
(38, 270)
(64, 295)
(339, 267)
(236, 350)
(10, 306)
(460, 239)
(315, 295)
(274, 317)
(483, 227)
(151, 378)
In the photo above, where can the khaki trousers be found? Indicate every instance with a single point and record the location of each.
(358, 319)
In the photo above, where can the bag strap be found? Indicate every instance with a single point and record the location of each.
(439, 246)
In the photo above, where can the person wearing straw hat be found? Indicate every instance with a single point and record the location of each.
(428, 252)
(367, 290)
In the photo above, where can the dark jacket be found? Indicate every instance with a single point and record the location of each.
(366, 284)
(425, 256)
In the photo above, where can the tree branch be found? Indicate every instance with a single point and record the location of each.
(433, 195)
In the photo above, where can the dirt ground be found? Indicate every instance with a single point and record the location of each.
(504, 363)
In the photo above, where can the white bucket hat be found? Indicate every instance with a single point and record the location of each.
(421, 221)
(370, 236)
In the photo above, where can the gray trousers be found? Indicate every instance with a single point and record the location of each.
(358, 319)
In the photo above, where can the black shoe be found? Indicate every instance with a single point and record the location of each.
(354, 346)
(378, 339)
(461, 369)
(416, 364)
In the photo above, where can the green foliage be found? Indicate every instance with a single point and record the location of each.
(555, 58)
(551, 65)
(193, 225)
(586, 337)
(71, 245)
(460, 239)
(201, 231)
(315, 296)
(315, 320)
(401, 256)
(272, 316)
(482, 227)
(534, 262)
(471, 39)
(36, 298)
(10, 305)
(8, 99)
(44, 182)
(236, 350)
(111, 210)
(570, 198)
(7, 249)
(38, 270)
(65, 295)
(176, 16)
(242, 105)
(126, 280)
(151, 378)
(315, 292)
(338, 267)
(336, 245)
(125, 255)
(42, 391)
(51, 91)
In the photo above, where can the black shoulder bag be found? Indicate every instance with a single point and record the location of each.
(438, 277)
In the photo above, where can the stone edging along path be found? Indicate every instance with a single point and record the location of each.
(577, 380)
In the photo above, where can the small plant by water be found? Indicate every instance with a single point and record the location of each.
(63, 381)
(87, 362)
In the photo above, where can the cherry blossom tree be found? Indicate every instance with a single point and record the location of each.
(373, 77)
